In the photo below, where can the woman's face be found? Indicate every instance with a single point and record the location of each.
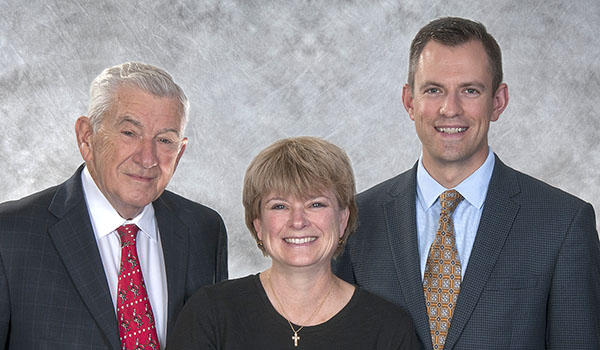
(301, 232)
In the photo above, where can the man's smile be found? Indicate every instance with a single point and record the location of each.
(450, 130)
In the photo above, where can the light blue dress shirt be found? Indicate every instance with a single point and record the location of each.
(466, 216)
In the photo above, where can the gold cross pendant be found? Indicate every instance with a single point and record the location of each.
(295, 338)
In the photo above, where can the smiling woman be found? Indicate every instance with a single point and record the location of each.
(301, 232)
(302, 168)
(299, 206)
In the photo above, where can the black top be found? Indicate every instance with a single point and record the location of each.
(237, 314)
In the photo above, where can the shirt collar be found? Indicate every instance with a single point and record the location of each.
(473, 188)
(105, 218)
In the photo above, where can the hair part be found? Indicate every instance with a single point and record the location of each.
(456, 31)
(300, 167)
(146, 77)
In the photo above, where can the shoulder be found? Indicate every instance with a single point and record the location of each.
(394, 187)
(538, 188)
(30, 214)
(384, 318)
(33, 202)
(24, 224)
(190, 212)
(540, 208)
(56, 200)
(376, 305)
(228, 294)
(237, 287)
(527, 190)
(178, 202)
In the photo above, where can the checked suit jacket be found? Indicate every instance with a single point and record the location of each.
(53, 290)
(533, 278)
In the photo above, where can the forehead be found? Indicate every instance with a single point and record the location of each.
(466, 62)
(146, 109)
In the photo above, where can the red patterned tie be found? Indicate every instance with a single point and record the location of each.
(441, 282)
(134, 313)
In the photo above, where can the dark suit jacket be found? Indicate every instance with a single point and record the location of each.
(53, 290)
(533, 278)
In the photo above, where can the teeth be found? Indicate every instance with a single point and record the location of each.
(451, 130)
(300, 240)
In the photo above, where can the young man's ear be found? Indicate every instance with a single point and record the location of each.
(500, 101)
(407, 100)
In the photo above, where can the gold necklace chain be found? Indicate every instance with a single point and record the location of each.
(295, 337)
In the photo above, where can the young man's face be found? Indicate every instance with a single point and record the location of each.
(452, 104)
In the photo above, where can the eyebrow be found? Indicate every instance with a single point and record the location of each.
(309, 198)
(274, 199)
(477, 84)
(128, 119)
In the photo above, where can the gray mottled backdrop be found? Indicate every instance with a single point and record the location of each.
(257, 71)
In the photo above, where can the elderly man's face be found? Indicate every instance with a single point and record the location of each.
(135, 151)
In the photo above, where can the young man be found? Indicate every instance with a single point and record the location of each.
(481, 255)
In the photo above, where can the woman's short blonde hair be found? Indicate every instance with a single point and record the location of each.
(300, 167)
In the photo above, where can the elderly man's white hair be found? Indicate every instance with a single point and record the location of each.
(146, 77)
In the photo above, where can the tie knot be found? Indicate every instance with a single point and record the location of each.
(449, 200)
(128, 234)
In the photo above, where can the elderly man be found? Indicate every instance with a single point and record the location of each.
(481, 255)
(107, 259)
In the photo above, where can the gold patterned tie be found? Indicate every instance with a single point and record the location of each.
(441, 282)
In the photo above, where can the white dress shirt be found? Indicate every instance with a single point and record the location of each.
(105, 221)
(466, 216)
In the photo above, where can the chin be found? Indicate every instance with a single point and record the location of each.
(307, 262)
(140, 202)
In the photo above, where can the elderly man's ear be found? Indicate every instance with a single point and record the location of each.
(83, 132)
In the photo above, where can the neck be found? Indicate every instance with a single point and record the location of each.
(304, 298)
(451, 173)
(301, 283)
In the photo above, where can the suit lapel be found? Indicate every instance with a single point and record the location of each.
(400, 216)
(74, 240)
(496, 221)
(174, 238)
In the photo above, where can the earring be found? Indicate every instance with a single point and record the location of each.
(340, 242)
(260, 245)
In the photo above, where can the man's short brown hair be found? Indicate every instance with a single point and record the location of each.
(455, 31)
